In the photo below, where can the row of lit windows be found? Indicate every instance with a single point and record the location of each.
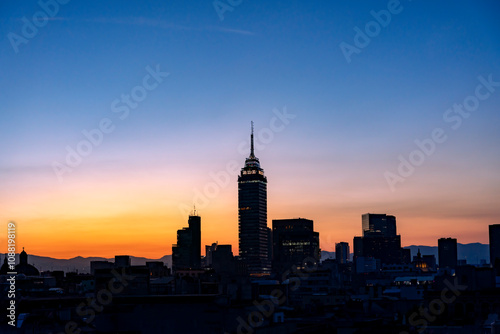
(248, 172)
(253, 181)
(296, 243)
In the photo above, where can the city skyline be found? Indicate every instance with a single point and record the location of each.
(329, 248)
(328, 127)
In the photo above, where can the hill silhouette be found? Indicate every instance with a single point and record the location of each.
(473, 253)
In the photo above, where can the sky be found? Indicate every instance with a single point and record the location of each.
(117, 118)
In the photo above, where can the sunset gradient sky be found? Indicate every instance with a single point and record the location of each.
(351, 120)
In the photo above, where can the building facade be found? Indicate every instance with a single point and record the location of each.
(494, 231)
(342, 254)
(252, 213)
(379, 240)
(380, 224)
(186, 254)
(294, 244)
(447, 252)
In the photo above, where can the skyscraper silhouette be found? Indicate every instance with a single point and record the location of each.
(447, 252)
(342, 254)
(187, 252)
(379, 240)
(252, 214)
(294, 244)
(378, 224)
(494, 232)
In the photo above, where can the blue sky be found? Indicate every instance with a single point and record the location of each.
(352, 120)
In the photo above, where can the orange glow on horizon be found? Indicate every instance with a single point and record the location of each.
(130, 235)
(139, 213)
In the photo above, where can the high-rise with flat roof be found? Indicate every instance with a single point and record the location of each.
(342, 252)
(378, 224)
(379, 240)
(494, 231)
(186, 254)
(294, 244)
(447, 253)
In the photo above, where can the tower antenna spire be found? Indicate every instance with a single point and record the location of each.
(252, 154)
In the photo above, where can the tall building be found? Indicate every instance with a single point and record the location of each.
(294, 244)
(381, 224)
(252, 214)
(494, 231)
(122, 261)
(187, 252)
(357, 244)
(379, 240)
(447, 252)
(342, 252)
(223, 260)
(386, 249)
(209, 250)
(405, 255)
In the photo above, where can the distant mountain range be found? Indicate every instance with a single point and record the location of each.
(473, 253)
(82, 264)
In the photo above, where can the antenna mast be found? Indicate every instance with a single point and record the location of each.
(252, 154)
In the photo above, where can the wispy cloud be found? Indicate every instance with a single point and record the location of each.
(161, 24)
(231, 31)
(140, 21)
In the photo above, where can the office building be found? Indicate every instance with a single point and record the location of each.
(447, 253)
(294, 244)
(223, 260)
(209, 249)
(252, 214)
(379, 240)
(494, 231)
(186, 254)
(342, 252)
(378, 224)
(122, 261)
(386, 249)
